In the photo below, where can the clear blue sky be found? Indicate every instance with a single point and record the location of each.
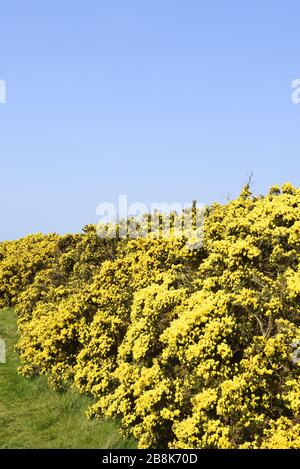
(163, 100)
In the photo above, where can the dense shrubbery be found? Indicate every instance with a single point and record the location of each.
(190, 349)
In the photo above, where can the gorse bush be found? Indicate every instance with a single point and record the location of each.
(188, 348)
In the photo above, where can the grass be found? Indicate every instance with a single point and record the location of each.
(34, 416)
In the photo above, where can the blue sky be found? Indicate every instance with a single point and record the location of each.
(162, 100)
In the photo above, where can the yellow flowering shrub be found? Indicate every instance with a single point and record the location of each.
(21, 261)
(187, 348)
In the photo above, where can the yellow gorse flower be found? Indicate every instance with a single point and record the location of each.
(189, 349)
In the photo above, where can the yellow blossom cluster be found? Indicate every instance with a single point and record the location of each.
(187, 348)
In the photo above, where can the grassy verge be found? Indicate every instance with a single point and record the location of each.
(34, 416)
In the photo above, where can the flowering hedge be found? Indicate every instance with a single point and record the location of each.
(189, 349)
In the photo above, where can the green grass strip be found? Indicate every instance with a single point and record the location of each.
(34, 416)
